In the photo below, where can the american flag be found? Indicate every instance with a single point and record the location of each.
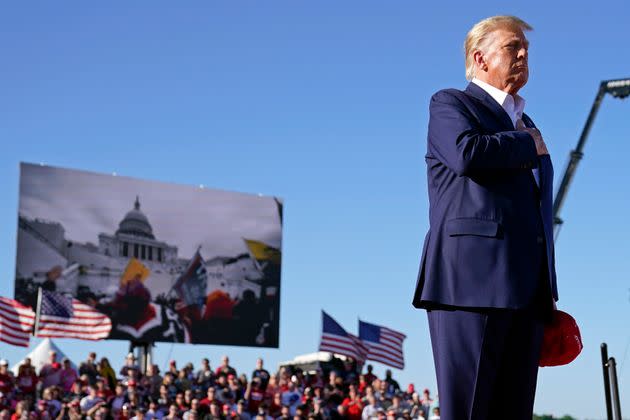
(65, 317)
(336, 340)
(16, 322)
(384, 345)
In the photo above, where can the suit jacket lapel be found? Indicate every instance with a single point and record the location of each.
(483, 96)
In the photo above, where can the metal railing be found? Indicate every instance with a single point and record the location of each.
(611, 387)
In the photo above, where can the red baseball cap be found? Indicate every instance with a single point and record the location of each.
(562, 341)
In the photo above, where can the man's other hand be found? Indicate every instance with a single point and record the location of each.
(541, 147)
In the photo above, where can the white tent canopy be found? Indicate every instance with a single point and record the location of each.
(41, 355)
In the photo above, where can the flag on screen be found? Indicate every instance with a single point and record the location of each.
(65, 317)
(16, 322)
(384, 345)
(336, 340)
(134, 270)
(192, 284)
(261, 252)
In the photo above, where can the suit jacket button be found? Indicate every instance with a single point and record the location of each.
(539, 239)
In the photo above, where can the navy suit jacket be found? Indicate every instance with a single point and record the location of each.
(490, 212)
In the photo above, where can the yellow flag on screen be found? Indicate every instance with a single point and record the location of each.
(135, 269)
(263, 252)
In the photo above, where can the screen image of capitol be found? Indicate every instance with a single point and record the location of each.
(165, 262)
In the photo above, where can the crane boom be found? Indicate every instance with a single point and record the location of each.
(619, 88)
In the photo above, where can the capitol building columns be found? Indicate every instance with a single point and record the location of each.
(134, 238)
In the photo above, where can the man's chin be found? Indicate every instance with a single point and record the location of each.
(518, 83)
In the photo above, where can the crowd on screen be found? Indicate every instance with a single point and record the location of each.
(96, 391)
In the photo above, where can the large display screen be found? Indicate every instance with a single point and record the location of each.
(165, 262)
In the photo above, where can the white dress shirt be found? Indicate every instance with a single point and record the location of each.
(513, 105)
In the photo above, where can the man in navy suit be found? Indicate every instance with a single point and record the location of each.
(487, 276)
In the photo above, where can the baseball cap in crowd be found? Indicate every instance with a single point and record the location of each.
(4, 362)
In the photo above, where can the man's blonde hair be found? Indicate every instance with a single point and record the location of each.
(479, 34)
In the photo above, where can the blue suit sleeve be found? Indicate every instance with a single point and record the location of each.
(546, 169)
(458, 140)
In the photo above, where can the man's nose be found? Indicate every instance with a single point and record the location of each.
(522, 53)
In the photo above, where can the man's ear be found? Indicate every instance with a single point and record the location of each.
(480, 60)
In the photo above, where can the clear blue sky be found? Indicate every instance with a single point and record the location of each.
(325, 105)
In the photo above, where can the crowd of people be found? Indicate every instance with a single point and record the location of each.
(95, 390)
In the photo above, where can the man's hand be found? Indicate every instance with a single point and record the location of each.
(541, 147)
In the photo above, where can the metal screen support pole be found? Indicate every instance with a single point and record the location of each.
(144, 354)
(604, 349)
(612, 367)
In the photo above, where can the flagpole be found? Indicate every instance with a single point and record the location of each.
(361, 363)
(38, 309)
(321, 329)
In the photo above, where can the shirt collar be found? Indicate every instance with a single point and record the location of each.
(513, 105)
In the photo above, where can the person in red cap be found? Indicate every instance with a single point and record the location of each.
(172, 367)
(49, 373)
(411, 388)
(426, 401)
